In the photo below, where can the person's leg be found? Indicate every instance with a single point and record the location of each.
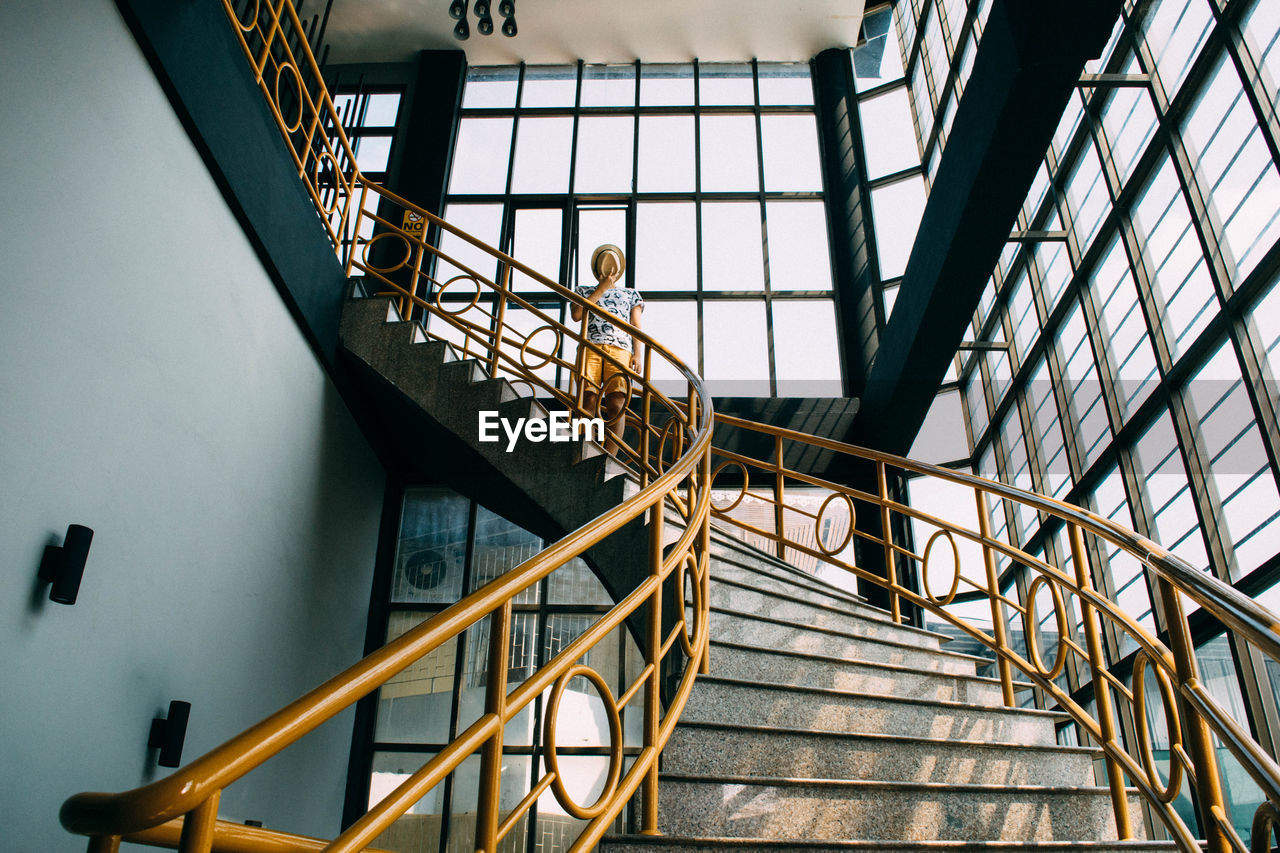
(615, 418)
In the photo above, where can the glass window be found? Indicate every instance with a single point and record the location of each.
(1174, 31)
(1089, 412)
(1266, 319)
(728, 153)
(1128, 581)
(608, 85)
(536, 239)
(897, 209)
(888, 134)
(1229, 440)
(879, 59)
(603, 162)
(736, 363)
(1174, 260)
(1159, 465)
(1087, 196)
(1129, 122)
(674, 324)
(493, 86)
(1234, 169)
(1123, 328)
(791, 160)
(732, 257)
(1017, 472)
(784, 83)
(372, 153)
(549, 86)
(542, 155)
(799, 256)
(1048, 431)
(805, 351)
(666, 154)
(487, 142)
(666, 246)
(725, 84)
(1022, 314)
(666, 85)
(1054, 264)
(1261, 28)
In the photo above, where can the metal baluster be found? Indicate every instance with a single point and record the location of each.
(500, 317)
(1101, 689)
(998, 628)
(197, 829)
(495, 702)
(890, 565)
(649, 819)
(779, 494)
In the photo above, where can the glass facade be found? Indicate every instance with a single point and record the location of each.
(447, 547)
(709, 176)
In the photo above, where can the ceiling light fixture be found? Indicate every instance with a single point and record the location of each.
(483, 10)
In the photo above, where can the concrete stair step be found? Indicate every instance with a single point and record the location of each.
(750, 662)
(741, 596)
(750, 557)
(741, 750)
(728, 701)
(784, 635)
(668, 843)
(810, 809)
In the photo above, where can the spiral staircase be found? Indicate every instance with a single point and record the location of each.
(779, 713)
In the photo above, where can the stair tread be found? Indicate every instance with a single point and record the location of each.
(858, 662)
(721, 537)
(877, 784)
(685, 841)
(909, 700)
(891, 738)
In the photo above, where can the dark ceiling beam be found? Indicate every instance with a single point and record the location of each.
(1029, 61)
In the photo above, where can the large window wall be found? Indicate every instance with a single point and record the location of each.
(708, 175)
(1127, 350)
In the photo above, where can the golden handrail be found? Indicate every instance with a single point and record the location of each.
(181, 809)
(1121, 710)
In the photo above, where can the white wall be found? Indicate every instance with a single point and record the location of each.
(154, 388)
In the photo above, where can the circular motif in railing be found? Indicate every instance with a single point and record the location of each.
(817, 524)
(1165, 793)
(924, 571)
(525, 382)
(290, 126)
(475, 297)
(386, 235)
(671, 427)
(615, 742)
(1029, 625)
(317, 180)
(1265, 821)
(524, 347)
(741, 492)
(689, 637)
(253, 19)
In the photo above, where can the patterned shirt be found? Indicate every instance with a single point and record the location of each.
(618, 301)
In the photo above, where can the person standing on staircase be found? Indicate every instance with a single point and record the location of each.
(601, 375)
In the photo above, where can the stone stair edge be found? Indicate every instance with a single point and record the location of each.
(691, 842)
(836, 632)
(880, 785)
(905, 700)
(892, 667)
(901, 739)
(722, 537)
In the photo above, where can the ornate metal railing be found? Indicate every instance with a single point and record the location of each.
(369, 228)
(1106, 669)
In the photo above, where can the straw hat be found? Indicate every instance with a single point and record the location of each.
(618, 256)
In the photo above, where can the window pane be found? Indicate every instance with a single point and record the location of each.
(381, 110)
(549, 86)
(1174, 259)
(482, 221)
(431, 549)
(806, 355)
(542, 155)
(1261, 28)
(1087, 196)
(597, 226)
(1129, 121)
(1234, 169)
(731, 250)
(536, 244)
(1266, 319)
(799, 258)
(791, 161)
(1174, 31)
(666, 248)
(372, 153)
(1088, 411)
(879, 59)
(605, 145)
(666, 85)
(481, 154)
(491, 87)
(725, 84)
(942, 436)
(1128, 581)
(608, 85)
(888, 134)
(1164, 477)
(1043, 408)
(666, 154)
(1229, 439)
(897, 209)
(784, 83)
(1123, 328)
(675, 326)
(413, 707)
(736, 348)
(728, 153)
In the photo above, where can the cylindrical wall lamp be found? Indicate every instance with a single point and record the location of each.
(63, 565)
(168, 734)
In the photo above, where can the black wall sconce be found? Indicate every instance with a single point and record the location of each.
(168, 734)
(63, 565)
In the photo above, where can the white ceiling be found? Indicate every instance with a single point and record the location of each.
(558, 31)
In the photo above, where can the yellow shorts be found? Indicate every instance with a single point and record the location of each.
(594, 366)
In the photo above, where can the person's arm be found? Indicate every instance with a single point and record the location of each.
(575, 310)
(637, 345)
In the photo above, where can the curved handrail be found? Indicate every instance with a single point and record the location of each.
(1079, 608)
(326, 162)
